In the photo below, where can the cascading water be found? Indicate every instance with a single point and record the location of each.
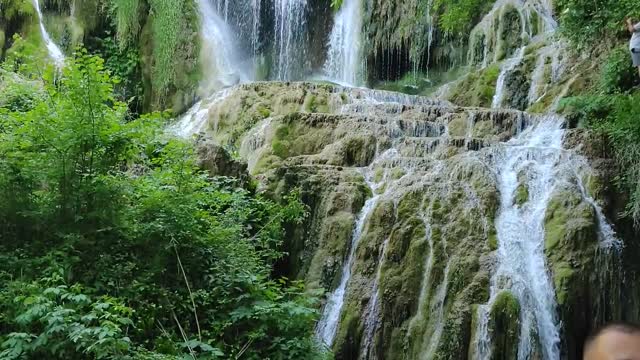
(54, 51)
(501, 85)
(195, 120)
(328, 324)
(222, 62)
(344, 61)
(444, 155)
(521, 267)
(290, 38)
(244, 18)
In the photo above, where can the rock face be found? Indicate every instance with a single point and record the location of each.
(439, 232)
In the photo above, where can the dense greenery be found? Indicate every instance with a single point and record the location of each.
(586, 21)
(611, 103)
(113, 245)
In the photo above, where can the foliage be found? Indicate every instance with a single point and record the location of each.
(123, 63)
(154, 258)
(618, 74)
(127, 15)
(53, 320)
(616, 116)
(458, 16)
(13, 10)
(171, 26)
(586, 21)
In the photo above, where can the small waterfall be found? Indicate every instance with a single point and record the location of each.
(501, 85)
(539, 81)
(195, 120)
(54, 51)
(222, 62)
(344, 61)
(372, 313)
(290, 36)
(328, 324)
(521, 265)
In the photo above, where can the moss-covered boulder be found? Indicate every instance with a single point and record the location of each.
(504, 326)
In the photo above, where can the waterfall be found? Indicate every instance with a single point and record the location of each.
(255, 26)
(372, 313)
(195, 120)
(244, 17)
(328, 324)
(521, 265)
(501, 85)
(222, 62)
(54, 51)
(344, 61)
(290, 36)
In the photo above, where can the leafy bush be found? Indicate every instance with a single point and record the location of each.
(617, 117)
(458, 16)
(156, 259)
(586, 22)
(618, 73)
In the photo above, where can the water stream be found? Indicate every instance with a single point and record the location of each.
(505, 70)
(54, 51)
(328, 324)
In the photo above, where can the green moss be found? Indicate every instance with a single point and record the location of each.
(458, 126)
(483, 128)
(509, 31)
(127, 20)
(493, 239)
(522, 194)
(504, 326)
(476, 89)
(347, 339)
(562, 276)
(264, 111)
(175, 58)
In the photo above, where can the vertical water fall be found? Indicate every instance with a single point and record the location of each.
(521, 268)
(221, 60)
(344, 60)
(290, 36)
(54, 51)
(328, 324)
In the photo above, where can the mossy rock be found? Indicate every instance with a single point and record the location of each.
(522, 194)
(504, 326)
(477, 88)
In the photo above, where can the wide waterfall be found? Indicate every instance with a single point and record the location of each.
(290, 36)
(344, 61)
(223, 63)
(456, 202)
(54, 51)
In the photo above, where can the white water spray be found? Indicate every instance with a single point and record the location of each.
(344, 61)
(54, 51)
(222, 62)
